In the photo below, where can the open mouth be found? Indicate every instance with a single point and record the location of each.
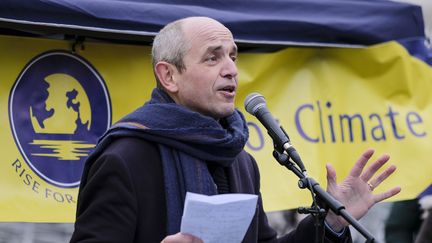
(229, 89)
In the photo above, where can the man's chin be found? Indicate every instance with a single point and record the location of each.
(222, 113)
(227, 112)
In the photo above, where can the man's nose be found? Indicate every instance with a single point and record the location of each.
(229, 69)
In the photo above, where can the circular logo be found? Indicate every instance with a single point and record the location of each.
(58, 108)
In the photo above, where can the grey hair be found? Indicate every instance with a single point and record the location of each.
(170, 45)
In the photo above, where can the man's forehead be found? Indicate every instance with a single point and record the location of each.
(201, 21)
(212, 48)
(205, 28)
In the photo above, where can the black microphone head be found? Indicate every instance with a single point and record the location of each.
(254, 102)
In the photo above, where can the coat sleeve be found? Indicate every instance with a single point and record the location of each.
(107, 205)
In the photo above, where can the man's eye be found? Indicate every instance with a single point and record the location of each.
(234, 58)
(212, 58)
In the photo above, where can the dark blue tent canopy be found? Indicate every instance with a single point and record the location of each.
(280, 22)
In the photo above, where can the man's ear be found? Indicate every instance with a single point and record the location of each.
(165, 73)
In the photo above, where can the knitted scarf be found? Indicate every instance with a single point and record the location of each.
(187, 141)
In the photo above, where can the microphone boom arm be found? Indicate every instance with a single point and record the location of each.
(334, 205)
(287, 156)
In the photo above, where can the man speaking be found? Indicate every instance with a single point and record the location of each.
(189, 137)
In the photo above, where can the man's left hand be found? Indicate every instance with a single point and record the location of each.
(356, 191)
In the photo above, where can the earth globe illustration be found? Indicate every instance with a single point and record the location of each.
(68, 107)
(66, 110)
(59, 107)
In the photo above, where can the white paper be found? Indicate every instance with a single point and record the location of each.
(218, 218)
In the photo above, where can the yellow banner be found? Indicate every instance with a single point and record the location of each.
(333, 102)
(54, 106)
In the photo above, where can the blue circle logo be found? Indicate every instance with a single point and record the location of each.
(58, 108)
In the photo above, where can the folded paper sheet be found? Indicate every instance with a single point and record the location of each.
(218, 218)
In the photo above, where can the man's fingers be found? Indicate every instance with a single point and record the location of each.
(377, 181)
(374, 167)
(361, 162)
(181, 238)
(331, 176)
(390, 193)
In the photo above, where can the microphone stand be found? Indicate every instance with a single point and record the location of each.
(318, 192)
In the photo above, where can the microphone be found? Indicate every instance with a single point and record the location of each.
(255, 104)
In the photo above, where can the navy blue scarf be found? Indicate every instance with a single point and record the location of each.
(187, 141)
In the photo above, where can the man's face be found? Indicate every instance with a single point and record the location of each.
(209, 83)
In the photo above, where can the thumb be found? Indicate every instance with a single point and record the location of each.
(331, 177)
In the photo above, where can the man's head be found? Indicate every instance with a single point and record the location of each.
(194, 62)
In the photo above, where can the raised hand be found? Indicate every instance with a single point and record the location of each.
(356, 191)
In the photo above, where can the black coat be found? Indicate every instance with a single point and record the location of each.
(123, 199)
